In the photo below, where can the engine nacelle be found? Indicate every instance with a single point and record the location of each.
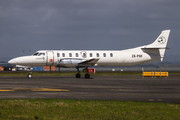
(70, 62)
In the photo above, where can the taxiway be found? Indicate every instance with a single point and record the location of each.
(124, 88)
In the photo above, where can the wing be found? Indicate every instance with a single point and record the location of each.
(90, 62)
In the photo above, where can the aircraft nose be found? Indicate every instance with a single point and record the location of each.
(12, 61)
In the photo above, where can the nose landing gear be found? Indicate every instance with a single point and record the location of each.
(29, 76)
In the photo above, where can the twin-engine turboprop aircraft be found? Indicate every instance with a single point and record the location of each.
(86, 58)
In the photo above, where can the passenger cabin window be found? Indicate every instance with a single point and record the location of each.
(90, 55)
(58, 55)
(104, 54)
(97, 54)
(70, 54)
(77, 55)
(41, 54)
(63, 54)
(111, 55)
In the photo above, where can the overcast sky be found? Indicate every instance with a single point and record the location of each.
(86, 24)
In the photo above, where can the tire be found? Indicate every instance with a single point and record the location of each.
(29, 76)
(87, 75)
(78, 75)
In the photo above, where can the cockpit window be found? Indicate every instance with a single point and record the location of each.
(35, 54)
(41, 54)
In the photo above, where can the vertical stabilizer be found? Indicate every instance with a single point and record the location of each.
(160, 43)
(161, 40)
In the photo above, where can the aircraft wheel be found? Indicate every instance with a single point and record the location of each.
(29, 75)
(87, 75)
(78, 75)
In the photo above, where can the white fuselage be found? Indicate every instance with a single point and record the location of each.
(105, 58)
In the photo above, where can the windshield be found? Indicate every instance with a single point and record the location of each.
(35, 54)
(41, 54)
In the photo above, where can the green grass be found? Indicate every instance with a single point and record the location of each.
(54, 109)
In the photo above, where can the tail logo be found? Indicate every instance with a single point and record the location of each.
(162, 40)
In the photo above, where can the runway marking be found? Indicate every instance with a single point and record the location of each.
(47, 89)
(35, 89)
(1, 90)
(40, 89)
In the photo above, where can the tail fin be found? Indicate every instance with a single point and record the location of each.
(160, 43)
(161, 40)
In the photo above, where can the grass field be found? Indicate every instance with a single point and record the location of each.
(54, 109)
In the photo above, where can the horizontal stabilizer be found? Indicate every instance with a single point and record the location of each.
(155, 48)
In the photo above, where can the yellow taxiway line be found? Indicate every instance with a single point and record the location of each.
(5, 90)
(47, 89)
(34, 89)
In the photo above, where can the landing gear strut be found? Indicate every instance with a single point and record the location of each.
(78, 75)
(87, 74)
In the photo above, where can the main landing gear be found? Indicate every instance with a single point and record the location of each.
(87, 75)
(78, 75)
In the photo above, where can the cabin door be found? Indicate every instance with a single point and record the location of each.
(50, 58)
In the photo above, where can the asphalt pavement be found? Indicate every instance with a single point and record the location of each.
(123, 88)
